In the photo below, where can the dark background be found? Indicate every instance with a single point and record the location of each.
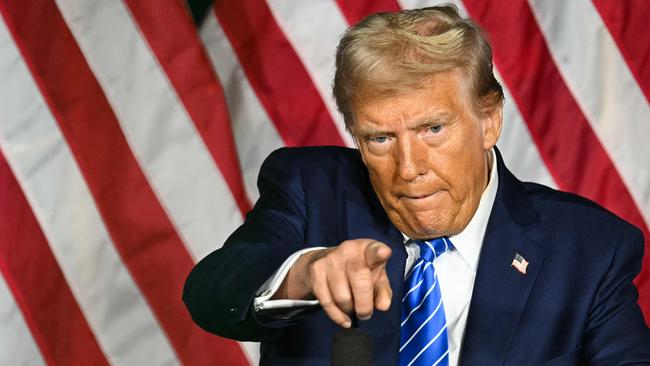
(199, 9)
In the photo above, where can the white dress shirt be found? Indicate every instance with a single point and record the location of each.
(456, 270)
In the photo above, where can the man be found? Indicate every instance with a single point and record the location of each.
(422, 237)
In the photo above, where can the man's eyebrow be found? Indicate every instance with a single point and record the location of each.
(431, 119)
(372, 132)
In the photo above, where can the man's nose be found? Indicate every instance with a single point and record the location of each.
(411, 158)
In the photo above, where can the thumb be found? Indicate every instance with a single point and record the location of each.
(377, 254)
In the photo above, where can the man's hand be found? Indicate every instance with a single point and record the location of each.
(349, 277)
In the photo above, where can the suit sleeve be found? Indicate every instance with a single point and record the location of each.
(616, 333)
(219, 291)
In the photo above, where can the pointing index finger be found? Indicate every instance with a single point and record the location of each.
(376, 254)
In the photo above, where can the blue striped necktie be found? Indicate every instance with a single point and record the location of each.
(423, 332)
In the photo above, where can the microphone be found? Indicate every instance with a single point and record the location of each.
(351, 347)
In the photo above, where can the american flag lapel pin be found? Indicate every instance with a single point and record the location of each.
(520, 263)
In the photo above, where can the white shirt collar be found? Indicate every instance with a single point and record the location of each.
(470, 241)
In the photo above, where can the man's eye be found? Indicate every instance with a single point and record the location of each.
(379, 139)
(435, 129)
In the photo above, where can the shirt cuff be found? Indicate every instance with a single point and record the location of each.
(270, 287)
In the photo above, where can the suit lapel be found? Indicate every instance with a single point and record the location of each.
(365, 218)
(500, 291)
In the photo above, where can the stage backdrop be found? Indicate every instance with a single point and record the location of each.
(130, 144)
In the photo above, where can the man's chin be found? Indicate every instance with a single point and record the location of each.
(424, 224)
(426, 230)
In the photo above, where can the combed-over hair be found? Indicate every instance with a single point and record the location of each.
(388, 54)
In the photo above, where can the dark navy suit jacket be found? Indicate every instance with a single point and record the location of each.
(576, 304)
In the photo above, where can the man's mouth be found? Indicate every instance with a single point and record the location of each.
(419, 197)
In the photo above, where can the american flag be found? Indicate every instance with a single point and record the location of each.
(520, 263)
(130, 142)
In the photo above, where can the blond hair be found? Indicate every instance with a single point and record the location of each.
(391, 53)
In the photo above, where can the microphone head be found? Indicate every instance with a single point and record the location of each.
(351, 347)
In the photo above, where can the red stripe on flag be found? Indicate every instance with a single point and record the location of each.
(355, 10)
(142, 233)
(277, 75)
(627, 22)
(566, 142)
(35, 279)
(170, 32)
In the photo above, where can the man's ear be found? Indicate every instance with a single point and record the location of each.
(491, 126)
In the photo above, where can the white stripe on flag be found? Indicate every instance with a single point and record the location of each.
(255, 133)
(158, 129)
(603, 86)
(313, 28)
(251, 351)
(47, 172)
(517, 146)
(17, 346)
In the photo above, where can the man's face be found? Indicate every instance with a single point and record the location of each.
(427, 153)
